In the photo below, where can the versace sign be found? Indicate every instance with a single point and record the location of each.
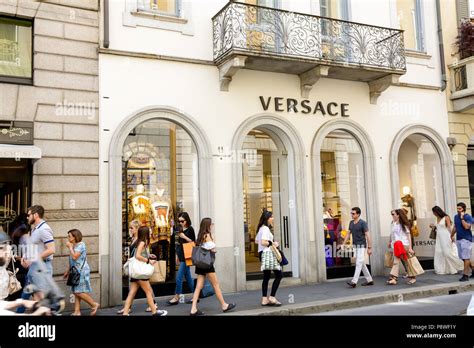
(280, 104)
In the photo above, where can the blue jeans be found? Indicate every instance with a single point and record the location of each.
(33, 278)
(184, 271)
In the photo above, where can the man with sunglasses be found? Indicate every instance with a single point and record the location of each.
(40, 251)
(361, 241)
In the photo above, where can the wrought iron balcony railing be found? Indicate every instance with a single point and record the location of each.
(263, 31)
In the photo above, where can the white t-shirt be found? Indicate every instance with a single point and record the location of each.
(264, 233)
(399, 235)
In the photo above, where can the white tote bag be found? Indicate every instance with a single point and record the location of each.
(140, 269)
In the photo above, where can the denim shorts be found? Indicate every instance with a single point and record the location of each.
(464, 249)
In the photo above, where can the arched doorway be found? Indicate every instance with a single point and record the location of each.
(344, 176)
(343, 187)
(282, 182)
(422, 176)
(265, 186)
(160, 180)
(177, 157)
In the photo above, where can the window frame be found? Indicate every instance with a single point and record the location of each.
(19, 80)
(177, 13)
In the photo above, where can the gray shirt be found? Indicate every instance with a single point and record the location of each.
(358, 232)
(40, 236)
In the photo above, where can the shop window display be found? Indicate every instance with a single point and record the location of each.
(421, 188)
(160, 173)
(343, 186)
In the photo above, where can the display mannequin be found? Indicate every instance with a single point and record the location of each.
(163, 226)
(140, 208)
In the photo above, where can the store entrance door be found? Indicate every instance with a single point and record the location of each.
(15, 191)
(265, 186)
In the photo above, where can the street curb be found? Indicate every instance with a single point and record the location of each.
(361, 300)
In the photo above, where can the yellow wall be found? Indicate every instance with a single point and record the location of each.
(461, 125)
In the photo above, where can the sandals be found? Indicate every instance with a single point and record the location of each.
(149, 309)
(275, 303)
(198, 313)
(411, 281)
(230, 307)
(94, 309)
(121, 311)
(392, 281)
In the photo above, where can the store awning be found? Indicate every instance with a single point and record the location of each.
(20, 151)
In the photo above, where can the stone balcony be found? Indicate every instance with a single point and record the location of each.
(462, 88)
(267, 39)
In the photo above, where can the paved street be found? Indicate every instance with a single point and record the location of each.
(333, 295)
(439, 305)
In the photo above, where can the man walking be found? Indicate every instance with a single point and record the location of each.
(40, 250)
(361, 241)
(462, 228)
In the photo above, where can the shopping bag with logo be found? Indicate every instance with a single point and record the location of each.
(414, 267)
(159, 274)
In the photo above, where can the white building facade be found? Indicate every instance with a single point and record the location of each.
(221, 109)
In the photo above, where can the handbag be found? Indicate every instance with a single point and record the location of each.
(284, 260)
(388, 259)
(74, 277)
(207, 290)
(203, 258)
(159, 273)
(433, 233)
(269, 262)
(140, 270)
(413, 266)
(276, 252)
(188, 252)
(14, 284)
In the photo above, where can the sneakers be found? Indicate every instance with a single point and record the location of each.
(160, 313)
(351, 284)
(464, 278)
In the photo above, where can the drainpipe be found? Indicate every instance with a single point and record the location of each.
(106, 24)
(441, 46)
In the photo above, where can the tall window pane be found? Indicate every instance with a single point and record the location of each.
(15, 47)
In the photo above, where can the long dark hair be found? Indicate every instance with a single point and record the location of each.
(19, 232)
(438, 212)
(264, 219)
(204, 230)
(143, 235)
(403, 219)
(186, 218)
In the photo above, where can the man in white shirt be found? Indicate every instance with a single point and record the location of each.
(40, 251)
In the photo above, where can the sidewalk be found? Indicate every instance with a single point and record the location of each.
(317, 298)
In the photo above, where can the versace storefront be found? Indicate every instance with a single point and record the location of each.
(236, 129)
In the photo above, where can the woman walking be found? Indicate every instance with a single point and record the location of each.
(206, 241)
(186, 235)
(401, 243)
(20, 238)
(264, 239)
(446, 259)
(133, 234)
(78, 259)
(141, 253)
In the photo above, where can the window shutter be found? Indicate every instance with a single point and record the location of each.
(462, 9)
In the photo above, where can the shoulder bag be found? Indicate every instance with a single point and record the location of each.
(203, 258)
(74, 276)
(140, 270)
(14, 284)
